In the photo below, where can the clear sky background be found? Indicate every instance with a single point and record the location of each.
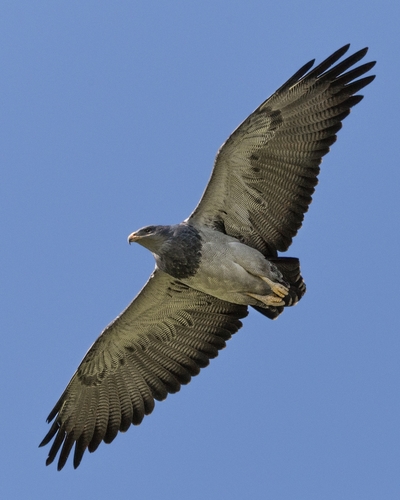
(111, 115)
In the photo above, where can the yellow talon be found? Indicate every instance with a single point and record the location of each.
(277, 288)
(268, 300)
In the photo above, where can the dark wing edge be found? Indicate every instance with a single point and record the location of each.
(265, 173)
(162, 339)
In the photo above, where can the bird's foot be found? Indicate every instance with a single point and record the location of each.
(277, 288)
(268, 300)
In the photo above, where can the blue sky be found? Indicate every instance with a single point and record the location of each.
(111, 115)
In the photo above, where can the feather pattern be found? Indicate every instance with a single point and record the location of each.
(164, 337)
(266, 172)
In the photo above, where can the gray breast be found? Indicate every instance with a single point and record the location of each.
(181, 254)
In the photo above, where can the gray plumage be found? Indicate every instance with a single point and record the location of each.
(214, 265)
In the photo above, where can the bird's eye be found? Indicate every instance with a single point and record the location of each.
(148, 230)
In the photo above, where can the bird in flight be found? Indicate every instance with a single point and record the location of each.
(211, 267)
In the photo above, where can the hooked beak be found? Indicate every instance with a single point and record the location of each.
(133, 237)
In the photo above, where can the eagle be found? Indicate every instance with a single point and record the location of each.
(214, 265)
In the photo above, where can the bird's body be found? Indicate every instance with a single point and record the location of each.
(216, 263)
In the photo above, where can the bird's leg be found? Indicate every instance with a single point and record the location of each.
(277, 288)
(279, 292)
(268, 300)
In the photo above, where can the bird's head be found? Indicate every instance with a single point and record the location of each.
(151, 237)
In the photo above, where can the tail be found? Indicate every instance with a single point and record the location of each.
(290, 268)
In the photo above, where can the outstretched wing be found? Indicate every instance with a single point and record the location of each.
(265, 173)
(159, 342)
